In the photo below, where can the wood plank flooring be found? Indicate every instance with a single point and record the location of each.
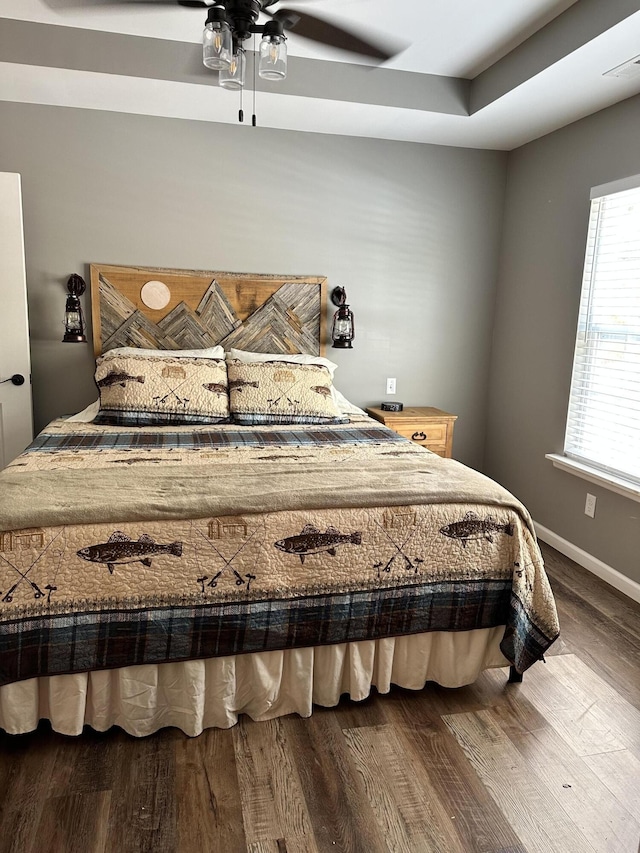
(551, 765)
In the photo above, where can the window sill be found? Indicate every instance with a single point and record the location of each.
(594, 475)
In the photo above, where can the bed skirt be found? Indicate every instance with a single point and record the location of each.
(200, 694)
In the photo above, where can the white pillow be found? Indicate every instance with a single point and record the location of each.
(211, 352)
(344, 406)
(295, 358)
(87, 415)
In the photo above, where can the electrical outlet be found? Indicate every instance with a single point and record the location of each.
(391, 386)
(590, 505)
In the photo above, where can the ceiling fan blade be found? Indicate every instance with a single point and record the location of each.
(317, 29)
(273, 2)
(80, 4)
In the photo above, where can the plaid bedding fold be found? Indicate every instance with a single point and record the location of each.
(230, 437)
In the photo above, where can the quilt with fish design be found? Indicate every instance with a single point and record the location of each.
(148, 545)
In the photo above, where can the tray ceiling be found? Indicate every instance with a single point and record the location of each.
(474, 73)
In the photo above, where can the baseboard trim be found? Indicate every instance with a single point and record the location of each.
(587, 561)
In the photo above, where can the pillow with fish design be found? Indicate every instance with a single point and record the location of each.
(137, 390)
(281, 392)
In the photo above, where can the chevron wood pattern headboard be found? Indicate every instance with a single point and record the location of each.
(261, 313)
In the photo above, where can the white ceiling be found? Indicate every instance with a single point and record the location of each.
(534, 66)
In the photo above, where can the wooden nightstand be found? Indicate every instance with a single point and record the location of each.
(432, 428)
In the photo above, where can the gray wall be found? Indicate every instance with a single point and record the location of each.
(412, 232)
(546, 214)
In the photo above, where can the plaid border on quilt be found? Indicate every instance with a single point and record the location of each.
(56, 644)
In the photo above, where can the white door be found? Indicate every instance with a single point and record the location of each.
(16, 423)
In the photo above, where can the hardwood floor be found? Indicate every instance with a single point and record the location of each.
(551, 765)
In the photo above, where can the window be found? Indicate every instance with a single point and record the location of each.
(603, 423)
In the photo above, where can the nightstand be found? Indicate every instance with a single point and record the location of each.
(432, 428)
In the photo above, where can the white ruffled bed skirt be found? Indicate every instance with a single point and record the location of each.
(201, 694)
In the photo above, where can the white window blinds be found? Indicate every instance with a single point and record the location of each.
(603, 424)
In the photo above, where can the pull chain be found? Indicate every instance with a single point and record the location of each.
(254, 121)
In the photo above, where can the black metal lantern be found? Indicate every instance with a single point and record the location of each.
(73, 319)
(343, 330)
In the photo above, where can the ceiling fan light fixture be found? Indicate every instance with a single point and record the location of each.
(273, 52)
(217, 41)
(232, 77)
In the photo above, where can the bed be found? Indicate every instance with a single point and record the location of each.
(155, 573)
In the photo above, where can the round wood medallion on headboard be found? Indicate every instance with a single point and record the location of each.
(155, 295)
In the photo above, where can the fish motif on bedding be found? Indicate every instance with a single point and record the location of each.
(116, 378)
(311, 540)
(215, 387)
(474, 527)
(240, 384)
(120, 549)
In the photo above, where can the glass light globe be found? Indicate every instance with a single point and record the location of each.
(232, 77)
(216, 45)
(273, 58)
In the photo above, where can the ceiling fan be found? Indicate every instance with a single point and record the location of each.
(241, 16)
(230, 23)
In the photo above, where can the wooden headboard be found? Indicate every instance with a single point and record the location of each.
(189, 309)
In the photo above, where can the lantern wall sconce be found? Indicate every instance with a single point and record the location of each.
(343, 330)
(73, 319)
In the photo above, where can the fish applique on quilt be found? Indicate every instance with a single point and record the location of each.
(474, 527)
(310, 540)
(120, 549)
(115, 378)
(216, 387)
(239, 384)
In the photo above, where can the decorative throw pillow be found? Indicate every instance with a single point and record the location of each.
(138, 390)
(343, 405)
(279, 392)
